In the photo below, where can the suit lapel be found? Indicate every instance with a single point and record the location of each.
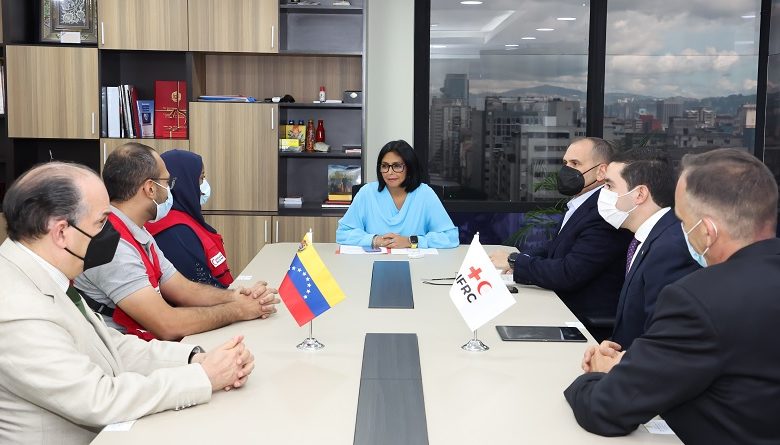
(47, 286)
(667, 220)
(578, 214)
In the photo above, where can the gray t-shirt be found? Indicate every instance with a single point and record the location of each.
(111, 283)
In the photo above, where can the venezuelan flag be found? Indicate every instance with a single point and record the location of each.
(308, 288)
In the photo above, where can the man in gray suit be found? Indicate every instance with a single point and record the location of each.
(64, 374)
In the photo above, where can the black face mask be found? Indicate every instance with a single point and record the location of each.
(101, 248)
(571, 181)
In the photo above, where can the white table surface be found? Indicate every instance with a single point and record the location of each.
(512, 393)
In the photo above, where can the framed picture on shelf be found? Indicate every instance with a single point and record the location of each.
(69, 21)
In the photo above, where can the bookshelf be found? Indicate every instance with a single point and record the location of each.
(259, 48)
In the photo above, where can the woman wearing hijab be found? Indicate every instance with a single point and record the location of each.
(193, 246)
(399, 210)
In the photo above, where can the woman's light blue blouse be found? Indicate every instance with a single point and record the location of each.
(374, 213)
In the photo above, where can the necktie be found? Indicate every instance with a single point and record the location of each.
(75, 297)
(630, 254)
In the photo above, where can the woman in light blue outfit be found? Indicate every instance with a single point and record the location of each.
(397, 211)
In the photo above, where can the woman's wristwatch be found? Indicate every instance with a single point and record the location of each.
(413, 241)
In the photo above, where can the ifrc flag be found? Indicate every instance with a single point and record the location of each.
(479, 293)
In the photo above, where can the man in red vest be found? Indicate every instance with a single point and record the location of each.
(139, 291)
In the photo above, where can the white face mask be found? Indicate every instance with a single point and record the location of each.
(164, 207)
(205, 192)
(608, 207)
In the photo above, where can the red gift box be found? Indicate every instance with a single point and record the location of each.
(170, 109)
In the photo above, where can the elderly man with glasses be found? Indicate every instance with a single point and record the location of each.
(140, 292)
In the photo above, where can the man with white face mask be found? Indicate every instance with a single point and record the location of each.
(140, 292)
(637, 195)
(708, 363)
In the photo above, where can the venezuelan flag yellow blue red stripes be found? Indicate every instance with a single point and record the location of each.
(308, 288)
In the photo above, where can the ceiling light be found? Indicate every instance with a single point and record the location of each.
(511, 45)
(749, 16)
(438, 46)
(566, 19)
(434, 24)
(545, 29)
(470, 2)
(527, 38)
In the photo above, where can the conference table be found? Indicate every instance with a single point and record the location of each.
(512, 393)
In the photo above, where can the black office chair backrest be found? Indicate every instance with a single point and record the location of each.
(355, 189)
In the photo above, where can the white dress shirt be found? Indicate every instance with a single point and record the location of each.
(62, 281)
(645, 228)
(575, 204)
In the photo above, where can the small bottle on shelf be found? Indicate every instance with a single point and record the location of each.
(320, 137)
(310, 136)
(322, 94)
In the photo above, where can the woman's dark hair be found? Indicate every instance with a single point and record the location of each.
(406, 152)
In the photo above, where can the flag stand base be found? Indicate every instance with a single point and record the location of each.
(475, 345)
(310, 344)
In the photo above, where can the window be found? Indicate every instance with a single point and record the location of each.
(681, 74)
(506, 78)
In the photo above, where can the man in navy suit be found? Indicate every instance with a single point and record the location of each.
(709, 362)
(585, 263)
(638, 195)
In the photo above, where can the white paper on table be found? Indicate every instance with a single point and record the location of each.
(357, 250)
(658, 426)
(428, 251)
(244, 278)
(507, 277)
(121, 426)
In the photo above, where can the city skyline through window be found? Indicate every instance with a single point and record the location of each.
(508, 86)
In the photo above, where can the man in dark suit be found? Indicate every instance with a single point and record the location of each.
(638, 195)
(708, 363)
(585, 263)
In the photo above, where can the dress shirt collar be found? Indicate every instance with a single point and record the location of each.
(575, 203)
(646, 227)
(59, 278)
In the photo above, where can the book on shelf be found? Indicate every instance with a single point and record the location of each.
(104, 112)
(170, 109)
(347, 197)
(328, 204)
(226, 98)
(2, 89)
(341, 178)
(146, 117)
(118, 113)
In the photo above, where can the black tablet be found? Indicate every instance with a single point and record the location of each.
(540, 333)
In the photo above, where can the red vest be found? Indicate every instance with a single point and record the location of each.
(153, 271)
(212, 244)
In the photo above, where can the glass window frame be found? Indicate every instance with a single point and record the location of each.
(597, 43)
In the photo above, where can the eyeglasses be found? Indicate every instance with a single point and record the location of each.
(397, 167)
(170, 180)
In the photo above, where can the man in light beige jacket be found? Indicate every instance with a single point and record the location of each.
(64, 374)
